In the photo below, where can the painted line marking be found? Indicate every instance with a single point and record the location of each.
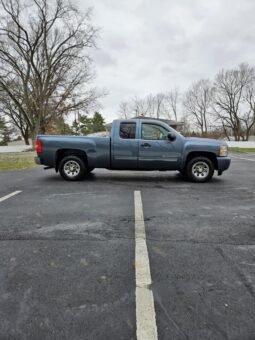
(242, 158)
(10, 195)
(146, 327)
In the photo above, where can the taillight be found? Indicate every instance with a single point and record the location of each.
(38, 146)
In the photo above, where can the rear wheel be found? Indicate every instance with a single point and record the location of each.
(72, 168)
(200, 169)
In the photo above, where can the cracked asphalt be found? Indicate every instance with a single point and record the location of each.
(67, 253)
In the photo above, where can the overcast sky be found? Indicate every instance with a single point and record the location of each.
(151, 46)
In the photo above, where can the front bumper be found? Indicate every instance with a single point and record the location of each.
(223, 164)
(38, 160)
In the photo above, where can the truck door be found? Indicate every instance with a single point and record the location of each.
(125, 146)
(156, 151)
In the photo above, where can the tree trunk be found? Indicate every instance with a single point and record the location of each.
(235, 134)
(33, 135)
(239, 132)
(205, 124)
(202, 129)
(247, 135)
(25, 136)
(26, 139)
(225, 131)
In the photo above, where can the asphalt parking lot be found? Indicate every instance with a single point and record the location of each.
(68, 254)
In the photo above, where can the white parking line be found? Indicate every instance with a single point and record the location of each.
(242, 158)
(146, 327)
(10, 195)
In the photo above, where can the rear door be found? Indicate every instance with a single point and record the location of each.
(156, 151)
(125, 146)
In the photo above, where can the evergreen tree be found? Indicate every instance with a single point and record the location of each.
(98, 123)
(85, 125)
(76, 127)
(66, 129)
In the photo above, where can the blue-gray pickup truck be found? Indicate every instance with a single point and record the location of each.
(136, 144)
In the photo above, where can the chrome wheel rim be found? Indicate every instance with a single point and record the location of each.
(72, 168)
(200, 170)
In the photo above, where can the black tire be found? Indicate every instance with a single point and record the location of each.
(200, 169)
(72, 168)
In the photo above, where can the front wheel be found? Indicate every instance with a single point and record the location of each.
(72, 168)
(200, 169)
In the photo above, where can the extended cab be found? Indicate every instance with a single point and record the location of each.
(136, 144)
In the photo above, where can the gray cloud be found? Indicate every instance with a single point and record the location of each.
(103, 58)
(151, 46)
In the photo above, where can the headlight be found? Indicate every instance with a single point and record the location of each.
(223, 150)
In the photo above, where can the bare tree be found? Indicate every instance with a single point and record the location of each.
(150, 106)
(44, 60)
(160, 101)
(198, 102)
(172, 99)
(139, 106)
(248, 117)
(231, 88)
(153, 104)
(124, 110)
(10, 110)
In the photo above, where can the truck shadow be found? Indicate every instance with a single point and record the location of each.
(107, 177)
(152, 178)
(134, 177)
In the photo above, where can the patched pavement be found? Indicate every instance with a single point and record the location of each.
(68, 254)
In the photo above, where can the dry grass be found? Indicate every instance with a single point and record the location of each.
(17, 161)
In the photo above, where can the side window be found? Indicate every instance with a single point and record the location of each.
(127, 130)
(154, 132)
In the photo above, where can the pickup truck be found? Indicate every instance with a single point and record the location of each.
(136, 144)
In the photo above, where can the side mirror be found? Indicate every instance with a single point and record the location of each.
(171, 137)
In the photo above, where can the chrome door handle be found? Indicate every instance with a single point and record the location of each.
(145, 145)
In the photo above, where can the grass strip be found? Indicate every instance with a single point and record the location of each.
(17, 161)
(242, 150)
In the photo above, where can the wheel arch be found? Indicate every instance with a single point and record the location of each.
(211, 155)
(61, 153)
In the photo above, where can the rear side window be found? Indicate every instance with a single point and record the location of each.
(127, 130)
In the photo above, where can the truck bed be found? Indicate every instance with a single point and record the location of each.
(98, 149)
